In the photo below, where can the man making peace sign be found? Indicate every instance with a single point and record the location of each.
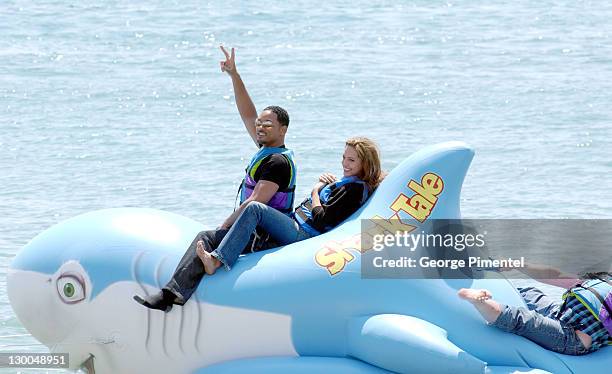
(269, 179)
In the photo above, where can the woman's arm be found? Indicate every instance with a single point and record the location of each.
(324, 179)
(343, 202)
(314, 195)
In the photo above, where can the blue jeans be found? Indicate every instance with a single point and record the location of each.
(282, 228)
(190, 269)
(539, 324)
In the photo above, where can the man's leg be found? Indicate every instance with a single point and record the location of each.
(545, 331)
(539, 302)
(481, 299)
(282, 228)
(190, 270)
(187, 275)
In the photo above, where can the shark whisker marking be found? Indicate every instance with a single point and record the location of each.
(135, 264)
(180, 330)
(198, 312)
(163, 333)
(165, 317)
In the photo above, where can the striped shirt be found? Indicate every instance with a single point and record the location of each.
(580, 318)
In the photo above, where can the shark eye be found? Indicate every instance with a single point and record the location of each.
(71, 289)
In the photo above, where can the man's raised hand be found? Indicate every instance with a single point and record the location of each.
(229, 65)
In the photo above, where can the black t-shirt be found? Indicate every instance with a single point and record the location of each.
(342, 202)
(274, 168)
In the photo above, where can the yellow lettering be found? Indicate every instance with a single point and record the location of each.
(422, 207)
(422, 203)
(378, 225)
(417, 206)
(433, 183)
(392, 225)
(400, 203)
(333, 260)
(431, 186)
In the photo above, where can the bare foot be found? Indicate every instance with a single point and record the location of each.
(474, 296)
(481, 299)
(211, 264)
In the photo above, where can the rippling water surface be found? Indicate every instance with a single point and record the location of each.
(109, 104)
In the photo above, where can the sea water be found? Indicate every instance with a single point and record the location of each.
(114, 103)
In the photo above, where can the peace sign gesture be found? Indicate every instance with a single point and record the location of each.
(229, 65)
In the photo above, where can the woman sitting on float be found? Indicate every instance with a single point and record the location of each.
(331, 202)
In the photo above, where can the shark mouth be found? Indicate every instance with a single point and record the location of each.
(88, 365)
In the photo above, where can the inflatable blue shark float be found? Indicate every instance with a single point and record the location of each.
(301, 308)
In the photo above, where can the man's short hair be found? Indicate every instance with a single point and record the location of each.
(281, 114)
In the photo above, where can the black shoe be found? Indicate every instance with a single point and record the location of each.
(178, 300)
(159, 301)
(172, 298)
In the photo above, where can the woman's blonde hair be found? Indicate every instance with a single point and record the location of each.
(369, 156)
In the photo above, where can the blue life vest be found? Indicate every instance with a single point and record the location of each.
(596, 296)
(303, 213)
(284, 197)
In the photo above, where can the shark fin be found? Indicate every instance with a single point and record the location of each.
(435, 172)
(398, 342)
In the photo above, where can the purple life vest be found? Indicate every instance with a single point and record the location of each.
(284, 197)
